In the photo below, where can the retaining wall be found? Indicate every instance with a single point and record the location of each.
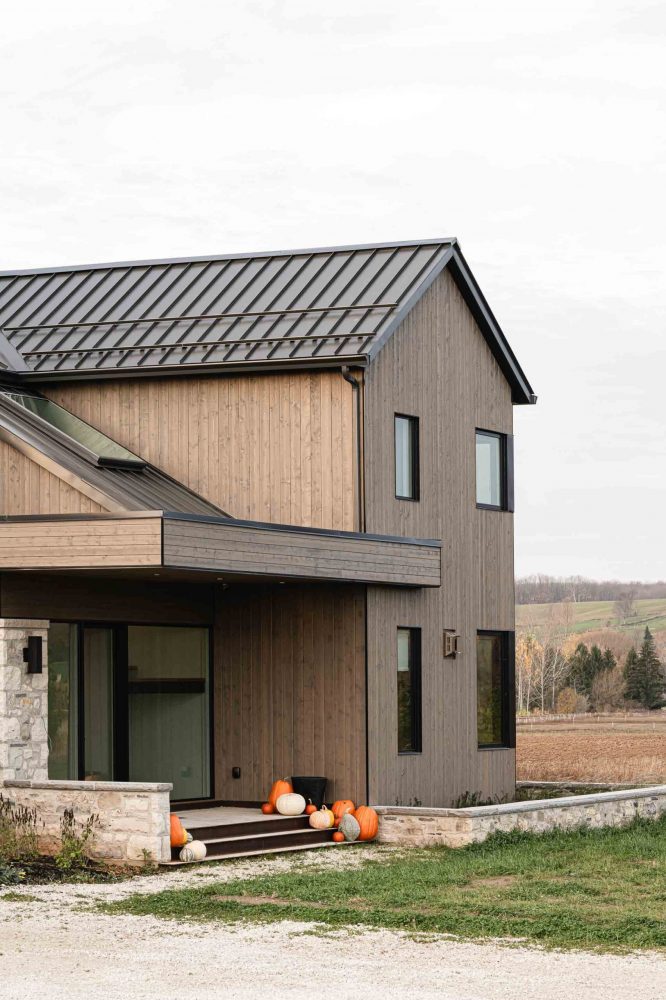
(421, 827)
(133, 816)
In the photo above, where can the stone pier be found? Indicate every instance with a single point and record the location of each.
(24, 742)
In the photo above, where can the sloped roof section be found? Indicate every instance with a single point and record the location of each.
(127, 485)
(303, 308)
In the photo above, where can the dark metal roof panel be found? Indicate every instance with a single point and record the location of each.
(324, 304)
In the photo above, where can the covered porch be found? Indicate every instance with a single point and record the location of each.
(203, 653)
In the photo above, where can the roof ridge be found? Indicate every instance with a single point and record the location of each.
(246, 255)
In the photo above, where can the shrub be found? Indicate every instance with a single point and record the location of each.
(18, 832)
(74, 838)
(570, 702)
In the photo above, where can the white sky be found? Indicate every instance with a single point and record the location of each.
(534, 131)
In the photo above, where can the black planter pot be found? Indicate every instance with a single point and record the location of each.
(312, 789)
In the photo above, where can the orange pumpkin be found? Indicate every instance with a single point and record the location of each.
(282, 787)
(338, 837)
(341, 807)
(368, 821)
(310, 808)
(178, 831)
(267, 808)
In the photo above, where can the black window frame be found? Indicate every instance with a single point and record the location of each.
(506, 471)
(414, 434)
(415, 687)
(508, 689)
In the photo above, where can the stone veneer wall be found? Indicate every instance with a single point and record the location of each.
(422, 827)
(133, 816)
(24, 749)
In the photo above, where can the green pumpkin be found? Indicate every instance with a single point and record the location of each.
(349, 825)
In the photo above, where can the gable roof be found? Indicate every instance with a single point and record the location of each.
(116, 485)
(302, 308)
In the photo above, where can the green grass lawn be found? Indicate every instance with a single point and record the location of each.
(594, 890)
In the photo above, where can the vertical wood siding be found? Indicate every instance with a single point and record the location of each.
(290, 688)
(276, 448)
(27, 488)
(437, 367)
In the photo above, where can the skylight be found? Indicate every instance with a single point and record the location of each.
(101, 448)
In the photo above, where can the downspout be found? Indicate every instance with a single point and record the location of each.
(356, 386)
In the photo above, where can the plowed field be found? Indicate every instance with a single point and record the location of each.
(615, 749)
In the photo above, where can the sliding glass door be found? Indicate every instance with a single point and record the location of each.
(131, 702)
(168, 707)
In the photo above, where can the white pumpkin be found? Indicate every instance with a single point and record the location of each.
(350, 826)
(194, 851)
(290, 804)
(322, 819)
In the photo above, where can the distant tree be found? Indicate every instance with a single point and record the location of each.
(585, 664)
(624, 606)
(569, 702)
(644, 681)
(607, 691)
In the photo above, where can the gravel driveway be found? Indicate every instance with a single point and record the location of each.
(54, 947)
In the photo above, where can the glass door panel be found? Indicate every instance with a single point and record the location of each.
(168, 697)
(98, 714)
(63, 701)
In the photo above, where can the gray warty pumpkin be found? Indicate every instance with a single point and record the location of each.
(350, 826)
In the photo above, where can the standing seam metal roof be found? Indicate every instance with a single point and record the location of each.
(301, 307)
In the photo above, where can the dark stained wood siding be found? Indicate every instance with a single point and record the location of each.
(437, 367)
(72, 598)
(290, 688)
(245, 549)
(277, 447)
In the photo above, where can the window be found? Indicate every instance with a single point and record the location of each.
(494, 470)
(409, 690)
(406, 457)
(495, 700)
(97, 446)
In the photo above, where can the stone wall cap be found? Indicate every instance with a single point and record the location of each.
(25, 623)
(125, 787)
(532, 805)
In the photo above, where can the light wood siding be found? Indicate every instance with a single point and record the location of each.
(290, 688)
(27, 488)
(104, 543)
(437, 367)
(90, 598)
(276, 448)
(307, 555)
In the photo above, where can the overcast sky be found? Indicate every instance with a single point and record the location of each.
(535, 132)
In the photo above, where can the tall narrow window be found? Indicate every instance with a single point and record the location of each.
(406, 457)
(494, 470)
(63, 701)
(494, 689)
(409, 690)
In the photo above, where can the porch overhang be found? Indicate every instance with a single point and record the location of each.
(199, 544)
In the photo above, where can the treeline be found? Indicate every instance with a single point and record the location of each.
(542, 589)
(548, 679)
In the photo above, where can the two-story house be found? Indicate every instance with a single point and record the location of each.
(261, 507)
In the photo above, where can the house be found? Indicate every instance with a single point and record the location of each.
(258, 509)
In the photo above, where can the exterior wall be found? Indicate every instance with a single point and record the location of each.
(278, 448)
(290, 688)
(24, 750)
(437, 367)
(133, 817)
(459, 827)
(27, 488)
